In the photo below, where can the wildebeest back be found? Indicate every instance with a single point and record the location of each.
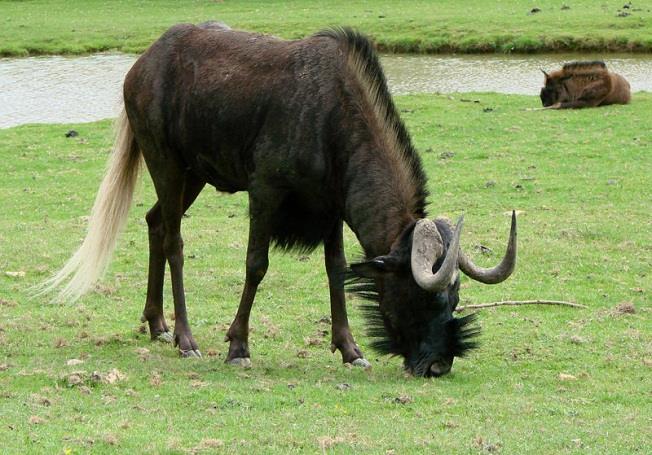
(584, 84)
(265, 107)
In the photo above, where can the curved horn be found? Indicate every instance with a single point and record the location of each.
(499, 273)
(427, 247)
(544, 73)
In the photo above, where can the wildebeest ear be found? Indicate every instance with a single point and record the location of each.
(376, 267)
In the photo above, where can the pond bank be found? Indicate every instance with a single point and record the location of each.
(423, 26)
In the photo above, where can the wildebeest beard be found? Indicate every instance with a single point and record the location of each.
(422, 336)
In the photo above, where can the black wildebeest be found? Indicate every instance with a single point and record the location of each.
(583, 84)
(308, 128)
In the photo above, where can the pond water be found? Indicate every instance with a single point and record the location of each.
(82, 89)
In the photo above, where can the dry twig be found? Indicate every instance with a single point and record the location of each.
(519, 302)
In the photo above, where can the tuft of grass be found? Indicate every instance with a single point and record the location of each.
(83, 377)
(79, 27)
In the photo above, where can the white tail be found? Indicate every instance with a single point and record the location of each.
(108, 217)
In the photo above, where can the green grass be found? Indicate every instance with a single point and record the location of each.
(583, 181)
(77, 27)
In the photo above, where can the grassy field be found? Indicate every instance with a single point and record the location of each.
(84, 377)
(74, 27)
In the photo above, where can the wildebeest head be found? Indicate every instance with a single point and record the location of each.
(416, 287)
(554, 89)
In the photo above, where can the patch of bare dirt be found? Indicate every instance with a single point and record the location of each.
(155, 379)
(625, 308)
(7, 303)
(36, 420)
(328, 442)
(207, 445)
(567, 377)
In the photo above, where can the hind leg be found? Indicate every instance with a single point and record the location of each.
(153, 312)
(176, 190)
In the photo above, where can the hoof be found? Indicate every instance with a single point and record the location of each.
(165, 337)
(190, 353)
(361, 363)
(244, 362)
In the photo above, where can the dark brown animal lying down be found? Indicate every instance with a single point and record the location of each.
(583, 84)
(308, 128)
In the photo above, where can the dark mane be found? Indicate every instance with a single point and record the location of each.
(362, 49)
(583, 67)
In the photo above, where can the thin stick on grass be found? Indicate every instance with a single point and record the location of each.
(519, 302)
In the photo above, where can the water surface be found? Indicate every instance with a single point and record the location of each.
(83, 89)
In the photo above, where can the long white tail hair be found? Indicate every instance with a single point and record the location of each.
(108, 217)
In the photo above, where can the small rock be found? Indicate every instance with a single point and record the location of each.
(343, 386)
(72, 133)
(535, 10)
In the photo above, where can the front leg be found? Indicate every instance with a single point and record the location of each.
(335, 266)
(257, 262)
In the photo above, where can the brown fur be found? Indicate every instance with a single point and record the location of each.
(584, 84)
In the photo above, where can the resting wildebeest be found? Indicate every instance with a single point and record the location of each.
(583, 84)
(308, 128)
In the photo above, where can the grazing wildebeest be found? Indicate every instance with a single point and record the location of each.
(308, 128)
(583, 84)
